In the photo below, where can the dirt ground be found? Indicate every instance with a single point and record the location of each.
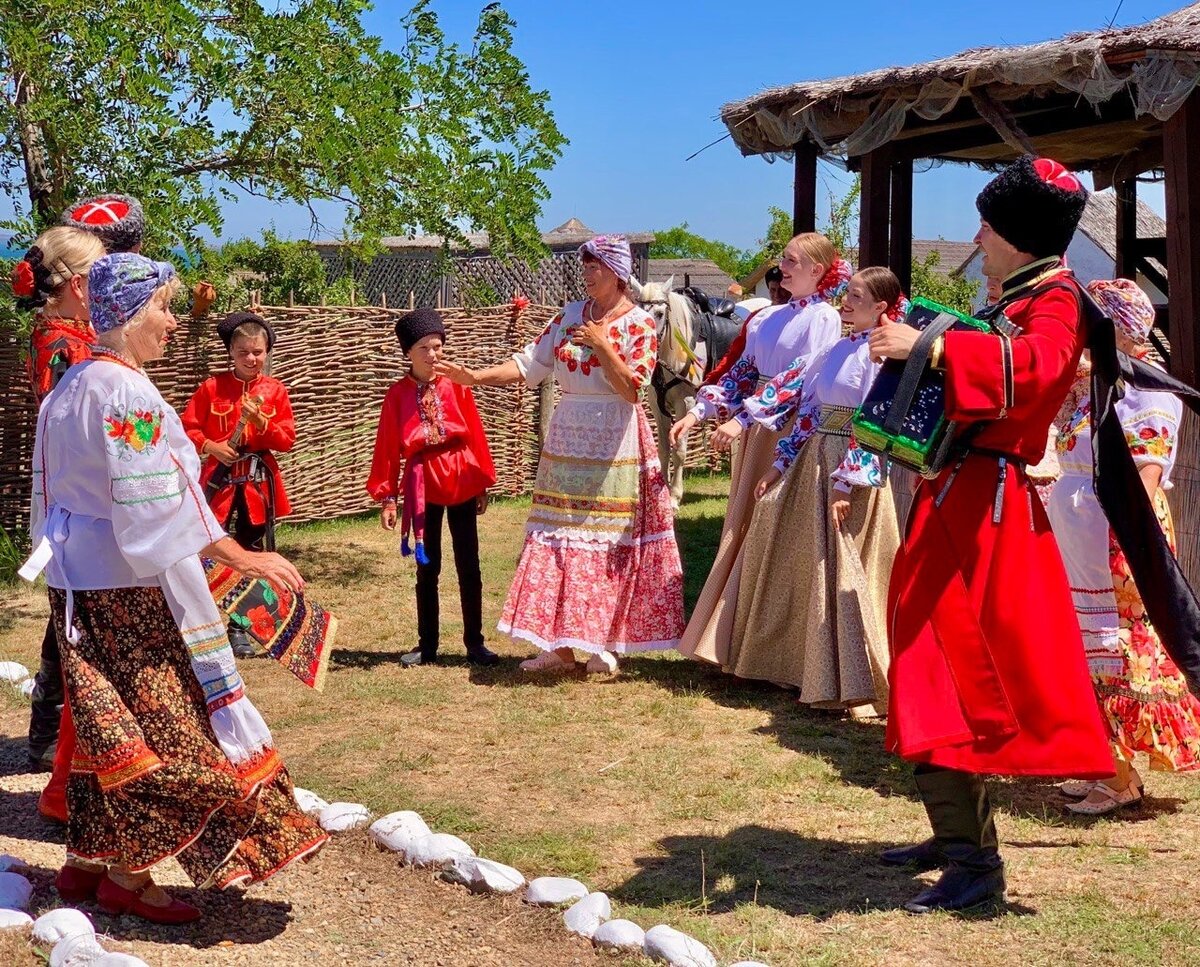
(352, 904)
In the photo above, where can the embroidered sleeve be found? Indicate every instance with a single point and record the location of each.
(723, 399)
(808, 418)
(859, 468)
(777, 400)
(536, 361)
(159, 515)
(1151, 434)
(640, 350)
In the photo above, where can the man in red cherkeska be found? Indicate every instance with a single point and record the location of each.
(238, 420)
(988, 672)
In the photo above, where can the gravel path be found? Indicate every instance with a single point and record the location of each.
(352, 904)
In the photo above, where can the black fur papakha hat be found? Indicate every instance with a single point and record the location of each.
(414, 326)
(116, 220)
(227, 326)
(1034, 204)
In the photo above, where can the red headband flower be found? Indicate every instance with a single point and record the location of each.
(897, 311)
(1053, 173)
(23, 282)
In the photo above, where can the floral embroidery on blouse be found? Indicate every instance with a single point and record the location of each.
(859, 467)
(132, 431)
(727, 395)
(1151, 442)
(777, 400)
(641, 350)
(429, 405)
(808, 418)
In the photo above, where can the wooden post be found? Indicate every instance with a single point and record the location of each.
(383, 298)
(1127, 240)
(545, 410)
(412, 300)
(804, 188)
(900, 248)
(874, 207)
(1181, 159)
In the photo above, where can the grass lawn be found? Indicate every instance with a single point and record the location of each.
(718, 806)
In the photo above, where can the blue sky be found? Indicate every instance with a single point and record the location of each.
(637, 86)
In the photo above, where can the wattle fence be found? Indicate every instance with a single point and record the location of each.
(337, 363)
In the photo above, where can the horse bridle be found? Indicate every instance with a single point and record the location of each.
(664, 379)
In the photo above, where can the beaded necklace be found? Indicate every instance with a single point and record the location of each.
(104, 352)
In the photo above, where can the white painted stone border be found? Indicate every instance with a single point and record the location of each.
(407, 835)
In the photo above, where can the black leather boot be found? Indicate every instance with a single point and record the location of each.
(45, 715)
(239, 641)
(965, 831)
(481, 654)
(923, 856)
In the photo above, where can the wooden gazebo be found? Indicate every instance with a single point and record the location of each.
(1120, 103)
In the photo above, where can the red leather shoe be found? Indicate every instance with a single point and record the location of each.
(77, 885)
(115, 899)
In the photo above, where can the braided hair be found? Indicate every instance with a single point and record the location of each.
(58, 255)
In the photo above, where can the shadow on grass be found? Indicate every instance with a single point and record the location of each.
(344, 564)
(229, 916)
(755, 865)
(853, 747)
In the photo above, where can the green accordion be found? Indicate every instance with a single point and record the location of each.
(903, 417)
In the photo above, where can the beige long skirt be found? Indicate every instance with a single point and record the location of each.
(812, 604)
(710, 628)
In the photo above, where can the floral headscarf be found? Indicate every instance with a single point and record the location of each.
(1129, 307)
(613, 251)
(121, 285)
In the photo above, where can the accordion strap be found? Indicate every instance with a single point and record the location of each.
(914, 368)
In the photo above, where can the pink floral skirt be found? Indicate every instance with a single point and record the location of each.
(600, 569)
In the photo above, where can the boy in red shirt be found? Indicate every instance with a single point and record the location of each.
(431, 427)
(236, 419)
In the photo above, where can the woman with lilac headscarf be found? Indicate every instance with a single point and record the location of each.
(1142, 693)
(171, 757)
(600, 569)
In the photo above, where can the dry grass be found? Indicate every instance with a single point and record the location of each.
(714, 805)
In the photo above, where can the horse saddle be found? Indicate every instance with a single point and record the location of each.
(717, 332)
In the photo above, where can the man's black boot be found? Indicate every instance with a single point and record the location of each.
(481, 654)
(239, 641)
(965, 831)
(923, 856)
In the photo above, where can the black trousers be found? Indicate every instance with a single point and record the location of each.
(46, 712)
(464, 536)
(249, 535)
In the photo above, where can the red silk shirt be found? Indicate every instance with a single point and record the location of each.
(212, 414)
(988, 672)
(440, 423)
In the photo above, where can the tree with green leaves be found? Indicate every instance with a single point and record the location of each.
(187, 102)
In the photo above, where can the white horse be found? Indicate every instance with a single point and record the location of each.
(678, 373)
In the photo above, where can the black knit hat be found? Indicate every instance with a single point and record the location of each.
(414, 326)
(227, 326)
(1034, 204)
(116, 220)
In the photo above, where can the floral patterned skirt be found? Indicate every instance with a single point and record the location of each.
(149, 780)
(600, 569)
(1145, 698)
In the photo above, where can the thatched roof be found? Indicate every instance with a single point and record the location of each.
(1158, 63)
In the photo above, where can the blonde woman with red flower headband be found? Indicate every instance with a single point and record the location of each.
(777, 338)
(832, 520)
(51, 282)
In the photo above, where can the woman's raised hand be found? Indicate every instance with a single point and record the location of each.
(593, 335)
(681, 427)
(456, 373)
(769, 480)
